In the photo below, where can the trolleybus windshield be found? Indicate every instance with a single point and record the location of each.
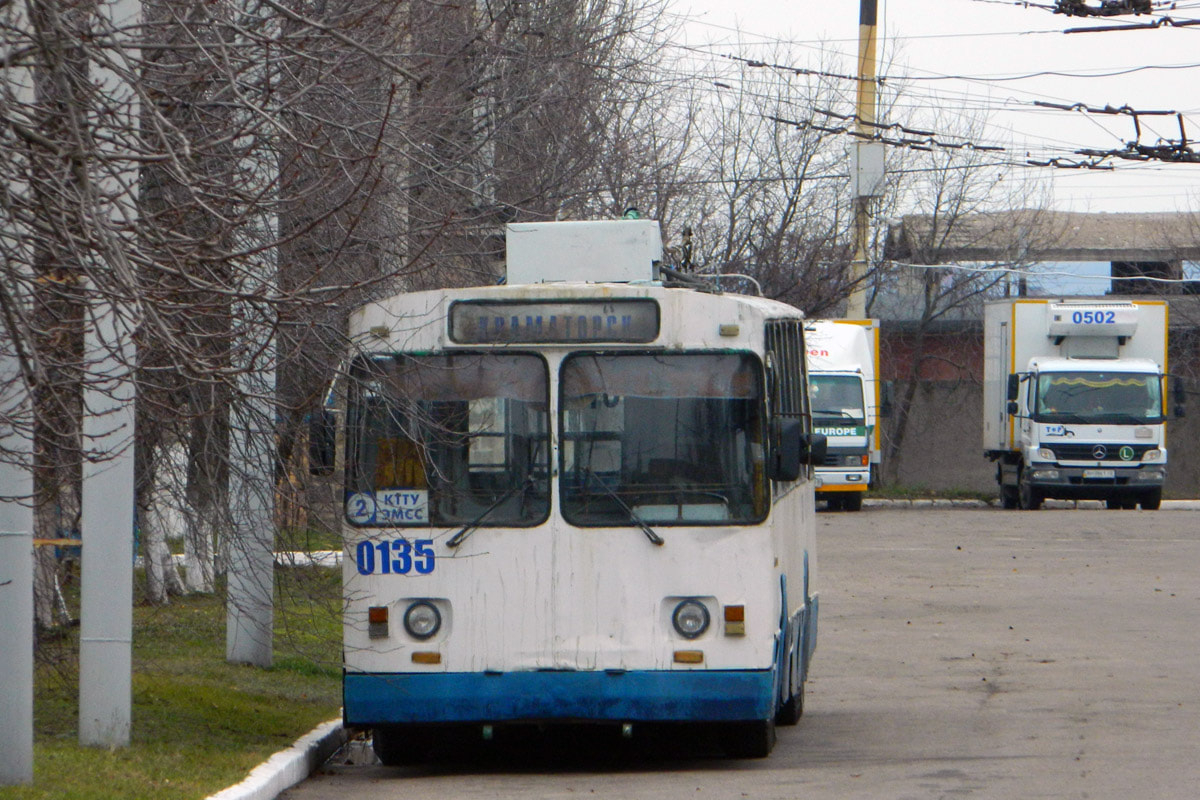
(447, 440)
(676, 439)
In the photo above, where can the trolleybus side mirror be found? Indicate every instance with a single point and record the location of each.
(322, 442)
(815, 446)
(787, 450)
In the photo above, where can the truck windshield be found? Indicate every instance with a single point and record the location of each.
(836, 399)
(447, 440)
(1098, 397)
(662, 439)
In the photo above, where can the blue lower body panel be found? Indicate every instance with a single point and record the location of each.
(679, 696)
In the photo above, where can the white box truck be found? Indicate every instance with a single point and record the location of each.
(1075, 400)
(845, 392)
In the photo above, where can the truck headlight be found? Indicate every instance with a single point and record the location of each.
(690, 619)
(1045, 454)
(1044, 474)
(855, 460)
(1152, 455)
(1151, 475)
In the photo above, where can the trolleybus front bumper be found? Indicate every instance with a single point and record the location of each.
(371, 699)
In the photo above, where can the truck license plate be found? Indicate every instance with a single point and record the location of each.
(1099, 473)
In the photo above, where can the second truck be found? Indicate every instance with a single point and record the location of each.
(846, 399)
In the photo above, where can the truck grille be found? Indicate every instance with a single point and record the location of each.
(1090, 452)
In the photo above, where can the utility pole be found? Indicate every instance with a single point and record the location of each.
(866, 170)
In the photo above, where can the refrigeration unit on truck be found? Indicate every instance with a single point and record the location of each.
(1074, 400)
(845, 393)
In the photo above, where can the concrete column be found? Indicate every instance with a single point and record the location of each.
(16, 620)
(250, 600)
(250, 597)
(106, 631)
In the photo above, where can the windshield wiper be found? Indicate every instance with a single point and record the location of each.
(831, 411)
(633, 517)
(470, 527)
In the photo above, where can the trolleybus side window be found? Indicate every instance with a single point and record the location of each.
(448, 439)
(787, 375)
(665, 439)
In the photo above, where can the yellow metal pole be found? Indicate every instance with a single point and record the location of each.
(856, 304)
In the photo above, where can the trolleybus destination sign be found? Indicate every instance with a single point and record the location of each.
(491, 322)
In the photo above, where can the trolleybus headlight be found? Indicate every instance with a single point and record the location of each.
(422, 620)
(690, 619)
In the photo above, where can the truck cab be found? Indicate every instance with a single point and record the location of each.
(1091, 429)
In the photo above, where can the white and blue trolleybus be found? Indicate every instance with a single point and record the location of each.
(584, 497)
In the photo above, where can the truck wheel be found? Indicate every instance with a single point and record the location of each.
(834, 503)
(852, 502)
(1028, 497)
(1113, 503)
(1151, 500)
(1008, 496)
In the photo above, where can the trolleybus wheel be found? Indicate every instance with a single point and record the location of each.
(748, 739)
(792, 709)
(400, 745)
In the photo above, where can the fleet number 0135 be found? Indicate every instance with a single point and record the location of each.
(395, 557)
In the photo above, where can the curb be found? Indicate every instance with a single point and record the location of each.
(288, 767)
(1167, 505)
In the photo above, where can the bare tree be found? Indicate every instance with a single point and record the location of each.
(768, 197)
(290, 160)
(964, 201)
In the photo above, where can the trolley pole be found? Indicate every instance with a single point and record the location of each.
(866, 154)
